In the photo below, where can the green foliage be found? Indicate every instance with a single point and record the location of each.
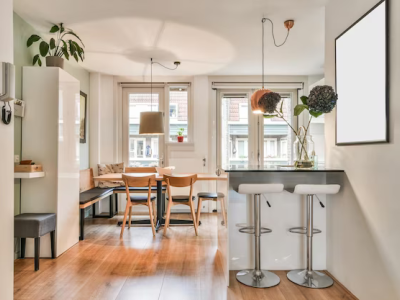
(315, 114)
(181, 131)
(299, 109)
(269, 116)
(59, 46)
(304, 99)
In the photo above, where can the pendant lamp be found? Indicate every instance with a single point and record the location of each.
(257, 95)
(152, 122)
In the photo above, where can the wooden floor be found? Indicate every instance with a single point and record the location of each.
(180, 266)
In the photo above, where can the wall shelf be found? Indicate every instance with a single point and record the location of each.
(29, 174)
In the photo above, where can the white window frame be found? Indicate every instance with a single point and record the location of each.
(135, 146)
(268, 141)
(246, 141)
(189, 133)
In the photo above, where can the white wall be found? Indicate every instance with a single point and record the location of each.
(363, 220)
(7, 166)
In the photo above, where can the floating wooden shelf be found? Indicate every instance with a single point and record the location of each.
(29, 174)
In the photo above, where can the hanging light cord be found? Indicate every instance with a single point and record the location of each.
(151, 77)
(276, 45)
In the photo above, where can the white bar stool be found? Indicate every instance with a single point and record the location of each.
(308, 277)
(256, 277)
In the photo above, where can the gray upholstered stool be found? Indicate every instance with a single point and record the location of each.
(34, 226)
(309, 277)
(203, 196)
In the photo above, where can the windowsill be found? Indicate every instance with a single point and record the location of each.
(179, 144)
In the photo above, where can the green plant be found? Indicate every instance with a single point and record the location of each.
(59, 46)
(181, 131)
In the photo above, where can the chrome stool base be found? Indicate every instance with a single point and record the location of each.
(315, 280)
(265, 280)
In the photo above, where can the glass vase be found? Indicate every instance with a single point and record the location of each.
(303, 151)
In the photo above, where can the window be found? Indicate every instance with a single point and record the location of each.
(284, 148)
(270, 148)
(242, 147)
(243, 112)
(178, 113)
(140, 150)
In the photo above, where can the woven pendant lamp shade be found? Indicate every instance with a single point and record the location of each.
(256, 109)
(151, 123)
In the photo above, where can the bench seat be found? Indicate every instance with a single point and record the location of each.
(93, 195)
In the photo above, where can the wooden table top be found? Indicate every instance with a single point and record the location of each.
(118, 176)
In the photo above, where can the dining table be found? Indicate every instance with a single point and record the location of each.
(115, 177)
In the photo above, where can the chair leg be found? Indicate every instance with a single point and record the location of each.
(23, 244)
(199, 210)
(37, 253)
(82, 224)
(125, 216)
(151, 218)
(223, 211)
(52, 241)
(166, 225)
(193, 216)
(130, 217)
(111, 215)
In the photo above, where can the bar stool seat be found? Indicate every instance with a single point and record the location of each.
(308, 277)
(257, 277)
(204, 196)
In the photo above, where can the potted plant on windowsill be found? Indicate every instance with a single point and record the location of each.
(58, 47)
(180, 135)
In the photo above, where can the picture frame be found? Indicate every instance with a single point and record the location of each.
(83, 114)
(370, 124)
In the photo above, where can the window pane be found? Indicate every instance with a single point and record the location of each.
(277, 133)
(142, 147)
(234, 131)
(178, 113)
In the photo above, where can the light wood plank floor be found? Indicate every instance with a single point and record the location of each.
(180, 266)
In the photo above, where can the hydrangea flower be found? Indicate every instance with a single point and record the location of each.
(322, 99)
(269, 102)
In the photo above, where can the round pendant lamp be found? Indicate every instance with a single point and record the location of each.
(257, 95)
(152, 122)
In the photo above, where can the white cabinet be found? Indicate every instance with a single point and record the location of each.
(50, 137)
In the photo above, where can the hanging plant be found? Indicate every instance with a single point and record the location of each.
(58, 47)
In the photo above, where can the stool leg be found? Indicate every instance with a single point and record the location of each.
(23, 244)
(37, 253)
(82, 224)
(308, 277)
(257, 278)
(52, 241)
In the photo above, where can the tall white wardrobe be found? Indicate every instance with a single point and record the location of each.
(50, 137)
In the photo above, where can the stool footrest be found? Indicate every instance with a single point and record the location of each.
(303, 230)
(251, 230)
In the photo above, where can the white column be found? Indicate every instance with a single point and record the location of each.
(94, 119)
(7, 165)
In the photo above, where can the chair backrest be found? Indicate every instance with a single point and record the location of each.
(86, 181)
(164, 171)
(180, 181)
(139, 181)
(140, 170)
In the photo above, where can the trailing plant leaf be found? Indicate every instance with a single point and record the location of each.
(39, 62)
(62, 27)
(74, 34)
(281, 109)
(35, 59)
(72, 48)
(52, 43)
(299, 109)
(76, 57)
(33, 38)
(315, 114)
(270, 116)
(304, 99)
(54, 29)
(44, 48)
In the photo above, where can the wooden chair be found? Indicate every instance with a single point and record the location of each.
(204, 196)
(180, 181)
(145, 181)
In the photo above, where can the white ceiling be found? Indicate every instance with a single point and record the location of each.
(213, 37)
